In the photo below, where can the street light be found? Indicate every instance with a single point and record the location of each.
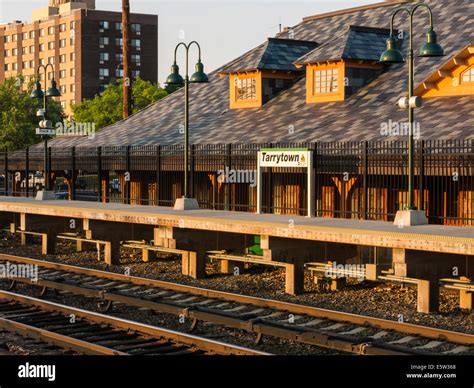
(175, 79)
(410, 215)
(45, 125)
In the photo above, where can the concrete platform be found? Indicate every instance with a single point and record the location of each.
(428, 238)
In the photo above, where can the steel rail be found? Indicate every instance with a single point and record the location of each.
(310, 336)
(212, 346)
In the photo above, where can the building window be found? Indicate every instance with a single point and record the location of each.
(119, 58)
(136, 27)
(71, 41)
(41, 32)
(41, 47)
(63, 104)
(32, 49)
(102, 87)
(72, 88)
(32, 64)
(62, 89)
(73, 102)
(50, 76)
(51, 60)
(72, 72)
(25, 64)
(62, 27)
(7, 67)
(104, 56)
(25, 35)
(72, 57)
(119, 73)
(62, 43)
(104, 25)
(72, 25)
(103, 40)
(51, 45)
(7, 53)
(6, 38)
(246, 89)
(51, 30)
(326, 81)
(14, 37)
(24, 50)
(468, 75)
(118, 41)
(32, 34)
(15, 52)
(15, 66)
(136, 43)
(118, 26)
(136, 59)
(104, 72)
(62, 58)
(135, 73)
(42, 61)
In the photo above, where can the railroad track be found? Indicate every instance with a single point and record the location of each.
(92, 333)
(24, 340)
(325, 328)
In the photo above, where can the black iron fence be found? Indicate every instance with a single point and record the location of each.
(360, 180)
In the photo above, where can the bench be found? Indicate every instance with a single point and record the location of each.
(147, 253)
(465, 287)
(294, 281)
(107, 245)
(427, 291)
(24, 237)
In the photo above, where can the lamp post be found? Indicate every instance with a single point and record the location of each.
(45, 125)
(410, 215)
(175, 79)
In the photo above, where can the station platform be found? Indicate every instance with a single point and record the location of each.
(429, 238)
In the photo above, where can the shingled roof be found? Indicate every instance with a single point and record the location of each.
(275, 54)
(357, 43)
(357, 118)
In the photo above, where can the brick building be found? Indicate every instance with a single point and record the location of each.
(83, 44)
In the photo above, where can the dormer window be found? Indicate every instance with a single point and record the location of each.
(259, 75)
(468, 76)
(455, 77)
(326, 81)
(246, 89)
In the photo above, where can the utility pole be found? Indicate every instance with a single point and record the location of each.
(127, 78)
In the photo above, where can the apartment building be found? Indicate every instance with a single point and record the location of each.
(83, 44)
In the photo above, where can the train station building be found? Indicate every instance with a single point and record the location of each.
(318, 85)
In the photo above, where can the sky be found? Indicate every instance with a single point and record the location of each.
(225, 29)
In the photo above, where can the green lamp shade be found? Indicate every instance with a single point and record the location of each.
(37, 93)
(53, 90)
(174, 78)
(431, 48)
(392, 54)
(199, 76)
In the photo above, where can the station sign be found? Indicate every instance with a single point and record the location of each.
(284, 157)
(45, 131)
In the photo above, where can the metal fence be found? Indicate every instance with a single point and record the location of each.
(360, 180)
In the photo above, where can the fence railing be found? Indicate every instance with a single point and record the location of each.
(360, 180)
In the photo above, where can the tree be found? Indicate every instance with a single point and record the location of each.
(18, 119)
(106, 109)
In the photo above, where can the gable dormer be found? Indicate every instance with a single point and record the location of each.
(454, 78)
(338, 68)
(262, 73)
